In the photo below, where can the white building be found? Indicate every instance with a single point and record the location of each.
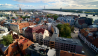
(2, 18)
(49, 25)
(40, 35)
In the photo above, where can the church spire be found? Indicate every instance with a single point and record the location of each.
(19, 9)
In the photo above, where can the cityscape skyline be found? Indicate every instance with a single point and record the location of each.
(49, 4)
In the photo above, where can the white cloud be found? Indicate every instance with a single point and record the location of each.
(24, 6)
(15, 6)
(29, 1)
(6, 4)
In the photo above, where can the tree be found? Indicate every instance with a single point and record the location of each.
(65, 30)
(7, 40)
(55, 17)
(72, 28)
(13, 18)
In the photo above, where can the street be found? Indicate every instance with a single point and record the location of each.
(86, 49)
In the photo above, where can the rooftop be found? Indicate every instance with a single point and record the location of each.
(68, 40)
(65, 53)
(81, 21)
(40, 31)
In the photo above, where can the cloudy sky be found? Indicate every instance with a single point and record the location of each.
(49, 4)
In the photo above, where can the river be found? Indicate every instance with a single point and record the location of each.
(71, 13)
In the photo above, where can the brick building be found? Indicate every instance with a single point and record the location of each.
(18, 26)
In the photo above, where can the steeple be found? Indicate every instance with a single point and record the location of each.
(19, 9)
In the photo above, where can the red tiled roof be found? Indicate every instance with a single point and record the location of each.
(85, 33)
(95, 42)
(29, 29)
(37, 19)
(18, 54)
(20, 18)
(14, 23)
(23, 41)
(40, 31)
(22, 25)
(12, 48)
(65, 53)
(81, 21)
(90, 38)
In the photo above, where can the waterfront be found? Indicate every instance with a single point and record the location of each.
(71, 13)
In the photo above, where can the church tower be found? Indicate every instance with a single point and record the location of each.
(20, 9)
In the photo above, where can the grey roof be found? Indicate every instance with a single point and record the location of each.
(47, 38)
(55, 34)
(4, 48)
(68, 41)
(93, 26)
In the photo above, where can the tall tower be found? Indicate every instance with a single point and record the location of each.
(19, 9)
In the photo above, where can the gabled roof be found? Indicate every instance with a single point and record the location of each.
(12, 48)
(24, 42)
(90, 38)
(95, 42)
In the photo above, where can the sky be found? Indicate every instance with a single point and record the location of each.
(49, 4)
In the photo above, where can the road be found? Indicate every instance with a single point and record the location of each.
(86, 49)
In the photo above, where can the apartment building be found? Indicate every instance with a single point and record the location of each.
(40, 35)
(60, 43)
(66, 53)
(90, 37)
(30, 32)
(83, 22)
(18, 26)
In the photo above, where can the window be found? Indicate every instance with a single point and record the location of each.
(52, 45)
(52, 42)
